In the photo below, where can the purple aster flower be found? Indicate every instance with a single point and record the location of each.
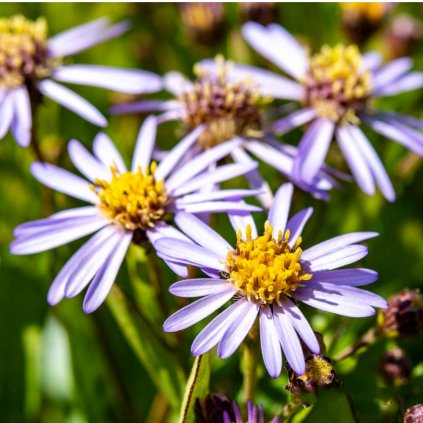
(125, 205)
(335, 88)
(264, 276)
(31, 64)
(231, 110)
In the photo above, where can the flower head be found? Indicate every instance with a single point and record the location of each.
(126, 205)
(264, 276)
(334, 90)
(232, 108)
(31, 63)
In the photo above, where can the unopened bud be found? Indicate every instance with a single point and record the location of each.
(403, 35)
(395, 366)
(264, 13)
(319, 373)
(212, 408)
(414, 414)
(404, 314)
(204, 22)
(361, 20)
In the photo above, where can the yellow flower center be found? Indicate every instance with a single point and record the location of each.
(23, 51)
(265, 269)
(135, 200)
(227, 108)
(319, 371)
(336, 85)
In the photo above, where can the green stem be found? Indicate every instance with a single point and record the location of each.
(367, 339)
(249, 369)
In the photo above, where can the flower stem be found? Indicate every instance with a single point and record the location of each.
(367, 339)
(249, 369)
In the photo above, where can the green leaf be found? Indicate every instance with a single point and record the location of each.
(331, 406)
(197, 387)
(160, 364)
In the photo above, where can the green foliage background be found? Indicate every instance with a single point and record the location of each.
(60, 365)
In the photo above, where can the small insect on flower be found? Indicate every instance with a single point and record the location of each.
(264, 275)
(30, 65)
(334, 89)
(231, 109)
(126, 205)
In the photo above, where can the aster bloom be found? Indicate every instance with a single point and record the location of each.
(30, 65)
(230, 110)
(125, 205)
(264, 276)
(335, 88)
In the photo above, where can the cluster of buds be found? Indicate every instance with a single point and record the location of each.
(404, 314)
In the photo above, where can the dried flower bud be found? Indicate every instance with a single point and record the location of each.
(414, 414)
(361, 20)
(395, 366)
(319, 374)
(203, 21)
(264, 13)
(403, 35)
(404, 314)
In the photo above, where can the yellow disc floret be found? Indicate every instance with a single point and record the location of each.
(264, 268)
(336, 85)
(135, 200)
(227, 108)
(23, 51)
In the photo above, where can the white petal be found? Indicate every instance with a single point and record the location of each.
(71, 101)
(278, 213)
(63, 181)
(107, 153)
(145, 144)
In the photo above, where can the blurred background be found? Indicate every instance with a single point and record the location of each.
(60, 365)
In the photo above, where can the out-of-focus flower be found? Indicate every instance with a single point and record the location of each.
(30, 65)
(404, 315)
(125, 205)
(403, 35)
(217, 408)
(335, 89)
(203, 22)
(231, 110)
(263, 12)
(414, 414)
(319, 373)
(395, 366)
(263, 275)
(361, 19)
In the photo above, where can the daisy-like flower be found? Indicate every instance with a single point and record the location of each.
(264, 275)
(230, 110)
(335, 89)
(30, 65)
(125, 205)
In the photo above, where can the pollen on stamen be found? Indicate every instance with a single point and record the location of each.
(134, 200)
(336, 85)
(265, 269)
(227, 108)
(23, 51)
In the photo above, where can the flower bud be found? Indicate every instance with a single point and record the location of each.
(212, 408)
(203, 21)
(403, 35)
(395, 366)
(319, 374)
(404, 314)
(264, 13)
(361, 20)
(414, 414)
